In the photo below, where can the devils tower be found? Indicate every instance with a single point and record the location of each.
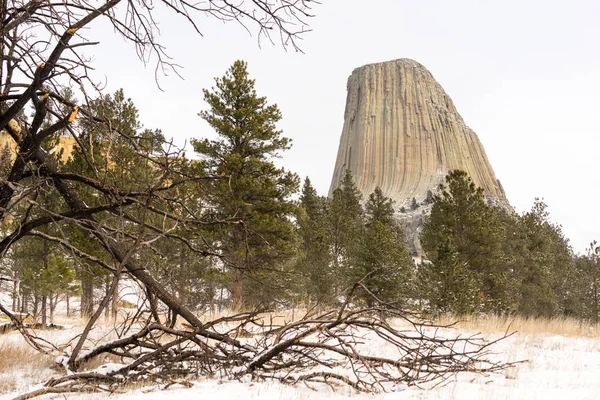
(402, 133)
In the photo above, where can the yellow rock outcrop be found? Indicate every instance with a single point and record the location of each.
(66, 145)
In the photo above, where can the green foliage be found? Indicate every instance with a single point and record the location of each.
(345, 227)
(116, 151)
(252, 190)
(270, 250)
(483, 259)
(371, 247)
(447, 284)
(542, 261)
(379, 208)
(315, 260)
(583, 298)
(380, 260)
(462, 239)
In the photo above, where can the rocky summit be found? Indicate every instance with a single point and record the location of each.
(403, 133)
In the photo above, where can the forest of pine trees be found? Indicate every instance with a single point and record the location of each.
(264, 242)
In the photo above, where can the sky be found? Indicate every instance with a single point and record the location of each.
(524, 75)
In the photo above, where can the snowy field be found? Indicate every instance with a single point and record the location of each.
(560, 366)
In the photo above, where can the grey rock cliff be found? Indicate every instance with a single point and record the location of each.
(402, 133)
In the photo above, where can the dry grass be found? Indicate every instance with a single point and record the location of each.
(528, 326)
(485, 324)
(275, 317)
(18, 362)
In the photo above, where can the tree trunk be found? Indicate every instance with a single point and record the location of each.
(15, 295)
(68, 306)
(23, 303)
(87, 295)
(44, 296)
(108, 292)
(115, 300)
(53, 301)
(221, 300)
(36, 303)
(44, 310)
(237, 291)
(213, 293)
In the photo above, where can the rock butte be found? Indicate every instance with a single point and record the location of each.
(402, 133)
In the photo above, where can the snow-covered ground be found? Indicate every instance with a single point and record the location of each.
(558, 367)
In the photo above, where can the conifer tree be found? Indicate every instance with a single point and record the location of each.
(107, 154)
(584, 294)
(379, 208)
(543, 265)
(346, 227)
(315, 262)
(462, 239)
(252, 189)
(380, 259)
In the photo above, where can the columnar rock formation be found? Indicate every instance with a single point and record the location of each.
(402, 133)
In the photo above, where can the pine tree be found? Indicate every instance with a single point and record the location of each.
(543, 264)
(346, 228)
(315, 262)
(379, 208)
(462, 239)
(111, 154)
(253, 191)
(584, 294)
(380, 259)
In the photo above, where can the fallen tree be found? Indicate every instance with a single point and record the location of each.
(333, 348)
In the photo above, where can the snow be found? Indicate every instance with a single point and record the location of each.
(108, 368)
(558, 367)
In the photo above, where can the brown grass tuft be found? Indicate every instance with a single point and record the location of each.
(19, 361)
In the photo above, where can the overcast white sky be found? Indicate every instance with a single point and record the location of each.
(524, 75)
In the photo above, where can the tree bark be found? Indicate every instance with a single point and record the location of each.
(108, 294)
(36, 303)
(44, 310)
(15, 295)
(53, 302)
(44, 296)
(115, 300)
(87, 295)
(237, 291)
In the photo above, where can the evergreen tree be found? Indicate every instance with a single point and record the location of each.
(119, 153)
(462, 239)
(543, 265)
(252, 190)
(315, 262)
(584, 294)
(379, 208)
(380, 259)
(346, 227)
